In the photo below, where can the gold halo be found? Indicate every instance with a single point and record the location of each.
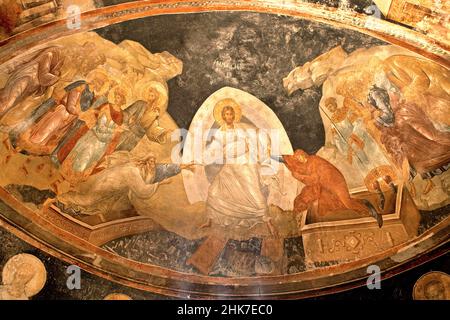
(109, 80)
(224, 103)
(375, 174)
(123, 89)
(141, 88)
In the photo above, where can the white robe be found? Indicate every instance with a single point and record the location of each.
(236, 196)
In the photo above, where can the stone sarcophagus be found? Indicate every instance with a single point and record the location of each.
(334, 242)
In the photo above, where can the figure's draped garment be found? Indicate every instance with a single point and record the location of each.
(414, 136)
(236, 197)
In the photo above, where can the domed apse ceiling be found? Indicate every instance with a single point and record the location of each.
(337, 158)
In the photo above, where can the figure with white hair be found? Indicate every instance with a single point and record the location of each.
(115, 188)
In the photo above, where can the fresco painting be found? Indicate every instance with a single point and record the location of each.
(93, 144)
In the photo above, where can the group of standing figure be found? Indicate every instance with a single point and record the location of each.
(81, 125)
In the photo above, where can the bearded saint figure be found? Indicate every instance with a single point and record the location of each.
(115, 188)
(237, 196)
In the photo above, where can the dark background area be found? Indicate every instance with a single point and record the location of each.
(249, 51)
